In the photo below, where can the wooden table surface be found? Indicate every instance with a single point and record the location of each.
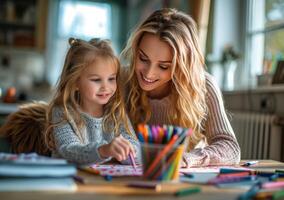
(97, 188)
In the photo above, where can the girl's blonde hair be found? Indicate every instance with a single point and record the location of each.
(188, 85)
(79, 56)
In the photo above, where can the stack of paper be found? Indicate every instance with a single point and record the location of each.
(22, 172)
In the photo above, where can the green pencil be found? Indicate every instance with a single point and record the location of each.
(187, 191)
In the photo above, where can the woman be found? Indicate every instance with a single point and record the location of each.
(168, 84)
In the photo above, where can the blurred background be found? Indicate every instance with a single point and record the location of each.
(242, 41)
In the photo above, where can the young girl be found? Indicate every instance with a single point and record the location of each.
(88, 122)
(168, 84)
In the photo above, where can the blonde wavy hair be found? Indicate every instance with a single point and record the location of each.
(79, 56)
(188, 87)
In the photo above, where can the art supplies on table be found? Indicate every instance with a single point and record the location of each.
(32, 172)
(162, 148)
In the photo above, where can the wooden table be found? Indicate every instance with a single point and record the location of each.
(98, 188)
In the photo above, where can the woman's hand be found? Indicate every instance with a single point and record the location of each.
(119, 148)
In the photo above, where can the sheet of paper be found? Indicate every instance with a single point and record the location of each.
(118, 170)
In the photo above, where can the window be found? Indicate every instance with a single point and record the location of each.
(84, 19)
(79, 19)
(265, 33)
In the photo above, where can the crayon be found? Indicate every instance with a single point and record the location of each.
(187, 191)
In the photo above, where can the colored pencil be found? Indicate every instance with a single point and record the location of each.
(166, 149)
(146, 185)
(132, 160)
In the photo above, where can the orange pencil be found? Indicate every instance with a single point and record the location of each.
(161, 154)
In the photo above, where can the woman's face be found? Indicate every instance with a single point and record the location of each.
(153, 65)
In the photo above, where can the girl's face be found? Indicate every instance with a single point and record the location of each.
(153, 65)
(97, 83)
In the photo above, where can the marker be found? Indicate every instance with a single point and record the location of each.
(250, 163)
(187, 191)
(146, 185)
(132, 160)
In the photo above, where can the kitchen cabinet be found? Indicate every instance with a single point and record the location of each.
(23, 24)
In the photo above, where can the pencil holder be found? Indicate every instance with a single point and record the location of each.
(159, 163)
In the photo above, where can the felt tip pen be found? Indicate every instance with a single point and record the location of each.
(187, 191)
(250, 163)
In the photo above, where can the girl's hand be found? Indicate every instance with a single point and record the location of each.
(119, 148)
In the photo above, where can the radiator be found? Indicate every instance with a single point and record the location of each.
(259, 135)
